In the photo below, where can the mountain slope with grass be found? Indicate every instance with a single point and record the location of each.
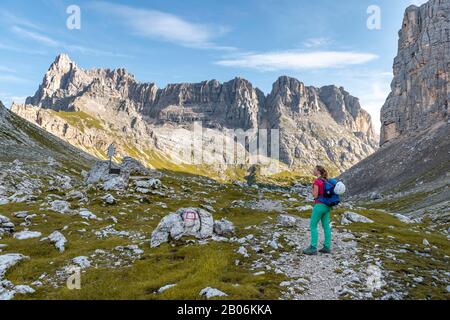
(23, 140)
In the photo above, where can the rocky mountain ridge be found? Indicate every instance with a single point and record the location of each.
(421, 86)
(234, 104)
(413, 165)
(316, 125)
(20, 139)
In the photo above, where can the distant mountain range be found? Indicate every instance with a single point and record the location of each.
(93, 108)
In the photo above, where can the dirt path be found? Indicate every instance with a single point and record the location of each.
(313, 277)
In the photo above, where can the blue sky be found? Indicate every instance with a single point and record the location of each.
(165, 41)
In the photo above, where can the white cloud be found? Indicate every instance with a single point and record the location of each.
(36, 36)
(317, 42)
(20, 50)
(94, 52)
(295, 60)
(50, 42)
(165, 26)
(7, 69)
(11, 18)
(11, 78)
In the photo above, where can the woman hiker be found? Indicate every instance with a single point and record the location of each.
(320, 212)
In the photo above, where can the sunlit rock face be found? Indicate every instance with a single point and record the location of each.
(316, 125)
(414, 159)
(420, 90)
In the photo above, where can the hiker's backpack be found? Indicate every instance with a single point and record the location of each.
(329, 198)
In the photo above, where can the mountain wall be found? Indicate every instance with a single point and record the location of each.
(317, 125)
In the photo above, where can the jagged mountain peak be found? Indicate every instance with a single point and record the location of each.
(63, 60)
(115, 97)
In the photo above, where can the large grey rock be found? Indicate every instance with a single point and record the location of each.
(286, 220)
(24, 235)
(9, 260)
(185, 222)
(6, 226)
(58, 239)
(212, 292)
(109, 199)
(148, 183)
(88, 215)
(7, 289)
(350, 217)
(100, 173)
(116, 183)
(223, 228)
(82, 261)
(131, 166)
(165, 288)
(60, 206)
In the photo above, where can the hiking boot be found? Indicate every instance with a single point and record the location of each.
(311, 251)
(325, 250)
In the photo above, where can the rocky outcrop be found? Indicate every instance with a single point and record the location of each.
(194, 222)
(232, 104)
(421, 89)
(414, 160)
(318, 125)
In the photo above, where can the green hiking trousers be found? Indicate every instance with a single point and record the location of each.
(320, 212)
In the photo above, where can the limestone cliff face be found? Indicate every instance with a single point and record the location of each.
(317, 125)
(415, 155)
(420, 89)
(233, 104)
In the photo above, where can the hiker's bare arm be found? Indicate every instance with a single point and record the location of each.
(315, 191)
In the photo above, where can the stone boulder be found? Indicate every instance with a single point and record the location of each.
(286, 220)
(223, 228)
(133, 167)
(6, 226)
(185, 222)
(148, 183)
(115, 183)
(211, 293)
(60, 206)
(58, 239)
(350, 217)
(82, 261)
(24, 235)
(108, 199)
(100, 174)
